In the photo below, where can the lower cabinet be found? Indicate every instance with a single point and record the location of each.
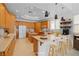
(9, 50)
(30, 38)
(76, 42)
(35, 46)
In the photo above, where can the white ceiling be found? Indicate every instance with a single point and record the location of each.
(21, 10)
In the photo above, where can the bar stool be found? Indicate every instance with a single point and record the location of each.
(53, 50)
(69, 44)
(63, 47)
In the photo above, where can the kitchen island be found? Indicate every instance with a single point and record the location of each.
(41, 44)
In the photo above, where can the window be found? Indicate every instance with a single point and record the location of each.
(57, 23)
(76, 24)
(76, 28)
(54, 24)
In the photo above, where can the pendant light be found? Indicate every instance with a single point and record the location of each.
(46, 13)
(56, 17)
(62, 18)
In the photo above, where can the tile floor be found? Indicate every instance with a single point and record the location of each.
(73, 52)
(24, 48)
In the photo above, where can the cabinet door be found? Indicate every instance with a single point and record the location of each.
(35, 46)
(2, 17)
(38, 27)
(44, 24)
(76, 43)
(12, 23)
(7, 20)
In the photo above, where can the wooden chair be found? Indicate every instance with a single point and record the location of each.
(69, 44)
(53, 51)
(63, 48)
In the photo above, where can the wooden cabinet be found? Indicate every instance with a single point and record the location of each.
(7, 23)
(17, 34)
(34, 42)
(7, 20)
(30, 36)
(10, 22)
(9, 50)
(27, 24)
(37, 27)
(44, 24)
(2, 16)
(40, 25)
(76, 42)
(35, 46)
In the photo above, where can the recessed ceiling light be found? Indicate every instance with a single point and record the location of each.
(62, 7)
(43, 11)
(56, 3)
(17, 10)
(29, 11)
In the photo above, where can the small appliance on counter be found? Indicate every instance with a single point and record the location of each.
(65, 31)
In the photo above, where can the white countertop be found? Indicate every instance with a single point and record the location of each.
(49, 37)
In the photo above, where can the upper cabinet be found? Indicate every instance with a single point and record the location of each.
(10, 22)
(7, 19)
(2, 16)
(44, 24)
(38, 27)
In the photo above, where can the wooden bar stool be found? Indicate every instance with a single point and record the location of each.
(63, 48)
(53, 51)
(69, 44)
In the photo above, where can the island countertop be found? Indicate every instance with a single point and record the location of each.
(42, 45)
(46, 38)
(49, 37)
(43, 49)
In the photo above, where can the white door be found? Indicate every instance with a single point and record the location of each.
(22, 32)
